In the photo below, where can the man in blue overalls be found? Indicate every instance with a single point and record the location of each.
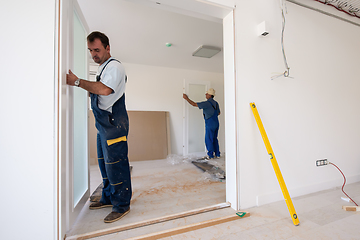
(211, 110)
(111, 120)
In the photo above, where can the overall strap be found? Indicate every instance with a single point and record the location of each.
(99, 76)
(215, 107)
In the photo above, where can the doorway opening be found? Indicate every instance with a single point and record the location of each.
(194, 127)
(152, 174)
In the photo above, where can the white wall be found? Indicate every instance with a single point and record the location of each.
(313, 116)
(152, 88)
(27, 140)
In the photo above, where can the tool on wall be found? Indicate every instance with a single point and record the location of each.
(275, 165)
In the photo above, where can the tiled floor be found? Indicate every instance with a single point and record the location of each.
(321, 217)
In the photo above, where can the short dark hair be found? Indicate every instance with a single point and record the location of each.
(98, 35)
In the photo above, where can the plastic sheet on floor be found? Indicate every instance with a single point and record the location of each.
(212, 168)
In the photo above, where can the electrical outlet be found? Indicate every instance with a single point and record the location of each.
(322, 162)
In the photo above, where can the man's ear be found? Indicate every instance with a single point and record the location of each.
(108, 48)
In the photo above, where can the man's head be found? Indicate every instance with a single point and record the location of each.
(210, 93)
(99, 47)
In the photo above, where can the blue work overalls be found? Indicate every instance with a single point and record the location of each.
(112, 151)
(211, 133)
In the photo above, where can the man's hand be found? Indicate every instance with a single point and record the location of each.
(71, 78)
(93, 87)
(189, 100)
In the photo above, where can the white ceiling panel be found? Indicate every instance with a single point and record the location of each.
(139, 30)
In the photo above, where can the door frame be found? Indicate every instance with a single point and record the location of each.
(66, 212)
(73, 209)
(231, 131)
(186, 107)
(230, 106)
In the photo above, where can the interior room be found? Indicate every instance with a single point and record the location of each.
(152, 73)
(157, 74)
(301, 72)
(165, 135)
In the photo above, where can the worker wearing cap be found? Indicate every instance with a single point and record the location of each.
(211, 110)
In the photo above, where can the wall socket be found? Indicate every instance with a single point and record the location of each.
(322, 162)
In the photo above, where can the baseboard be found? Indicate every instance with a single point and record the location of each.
(301, 191)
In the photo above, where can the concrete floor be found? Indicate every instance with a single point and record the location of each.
(321, 215)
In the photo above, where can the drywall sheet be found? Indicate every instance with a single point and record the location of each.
(149, 136)
(92, 139)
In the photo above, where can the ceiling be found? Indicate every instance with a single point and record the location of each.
(139, 30)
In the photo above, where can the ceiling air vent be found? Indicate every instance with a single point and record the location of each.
(206, 51)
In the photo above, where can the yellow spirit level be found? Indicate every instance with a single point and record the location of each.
(275, 165)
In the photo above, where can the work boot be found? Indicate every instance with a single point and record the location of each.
(114, 216)
(98, 205)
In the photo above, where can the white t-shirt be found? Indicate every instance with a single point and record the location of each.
(113, 77)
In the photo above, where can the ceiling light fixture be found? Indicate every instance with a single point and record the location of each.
(206, 51)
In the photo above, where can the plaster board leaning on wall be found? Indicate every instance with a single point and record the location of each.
(149, 135)
(148, 139)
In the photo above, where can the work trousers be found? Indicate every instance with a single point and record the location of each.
(112, 151)
(211, 134)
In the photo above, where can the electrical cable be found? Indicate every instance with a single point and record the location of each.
(342, 188)
(286, 73)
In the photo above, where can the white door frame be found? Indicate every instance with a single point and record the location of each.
(186, 107)
(230, 90)
(66, 211)
(231, 135)
(73, 209)
(231, 130)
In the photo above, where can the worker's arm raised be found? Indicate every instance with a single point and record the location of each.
(189, 100)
